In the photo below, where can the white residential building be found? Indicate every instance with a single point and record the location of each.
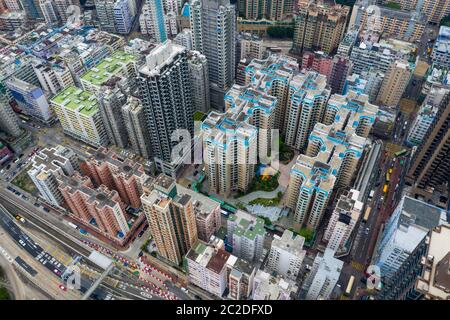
(286, 254)
(47, 165)
(324, 275)
(343, 220)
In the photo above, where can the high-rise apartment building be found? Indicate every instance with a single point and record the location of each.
(273, 76)
(308, 95)
(127, 177)
(441, 49)
(319, 26)
(110, 106)
(240, 278)
(394, 83)
(53, 76)
(134, 120)
(30, 99)
(286, 255)
(340, 70)
(331, 158)
(232, 140)
(119, 65)
(343, 220)
(434, 10)
(78, 113)
(213, 25)
(251, 47)
(426, 115)
(429, 169)
(433, 282)
(184, 38)
(46, 166)
(115, 15)
(100, 208)
(402, 246)
(171, 218)
(198, 70)
(49, 11)
(400, 24)
(324, 275)
(32, 9)
(166, 91)
(207, 213)
(246, 235)
(9, 122)
(275, 10)
(153, 20)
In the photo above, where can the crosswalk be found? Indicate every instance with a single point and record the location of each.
(58, 254)
(358, 266)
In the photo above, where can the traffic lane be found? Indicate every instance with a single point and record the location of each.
(13, 206)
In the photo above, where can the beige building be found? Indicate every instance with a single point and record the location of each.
(331, 158)
(308, 96)
(434, 283)
(319, 26)
(251, 47)
(171, 219)
(394, 83)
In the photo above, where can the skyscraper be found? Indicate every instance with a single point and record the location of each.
(319, 26)
(198, 70)
(394, 83)
(430, 164)
(134, 119)
(9, 122)
(166, 91)
(171, 219)
(213, 24)
(152, 20)
(403, 244)
(343, 219)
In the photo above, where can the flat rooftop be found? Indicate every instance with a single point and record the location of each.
(108, 68)
(77, 100)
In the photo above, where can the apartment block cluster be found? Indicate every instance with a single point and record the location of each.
(97, 192)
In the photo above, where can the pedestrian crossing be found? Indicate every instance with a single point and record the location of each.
(358, 266)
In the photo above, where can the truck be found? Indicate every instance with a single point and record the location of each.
(72, 225)
(372, 192)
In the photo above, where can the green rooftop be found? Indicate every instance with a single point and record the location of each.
(244, 223)
(108, 67)
(200, 248)
(76, 99)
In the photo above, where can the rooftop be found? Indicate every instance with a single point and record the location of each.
(77, 100)
(108, 68)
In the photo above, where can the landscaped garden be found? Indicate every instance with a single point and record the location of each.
(24, 182)
(268, 202)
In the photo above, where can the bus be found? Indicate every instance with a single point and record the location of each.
(366, 214)
(349, 286)
(401, 153)
(385, 188)
(24, 117)
(72, 225)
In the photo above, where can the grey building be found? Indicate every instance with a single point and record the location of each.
(110, 105)
(213, 24)
(198, 70)
(133, 116)
(166, 92)
(9, 122)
